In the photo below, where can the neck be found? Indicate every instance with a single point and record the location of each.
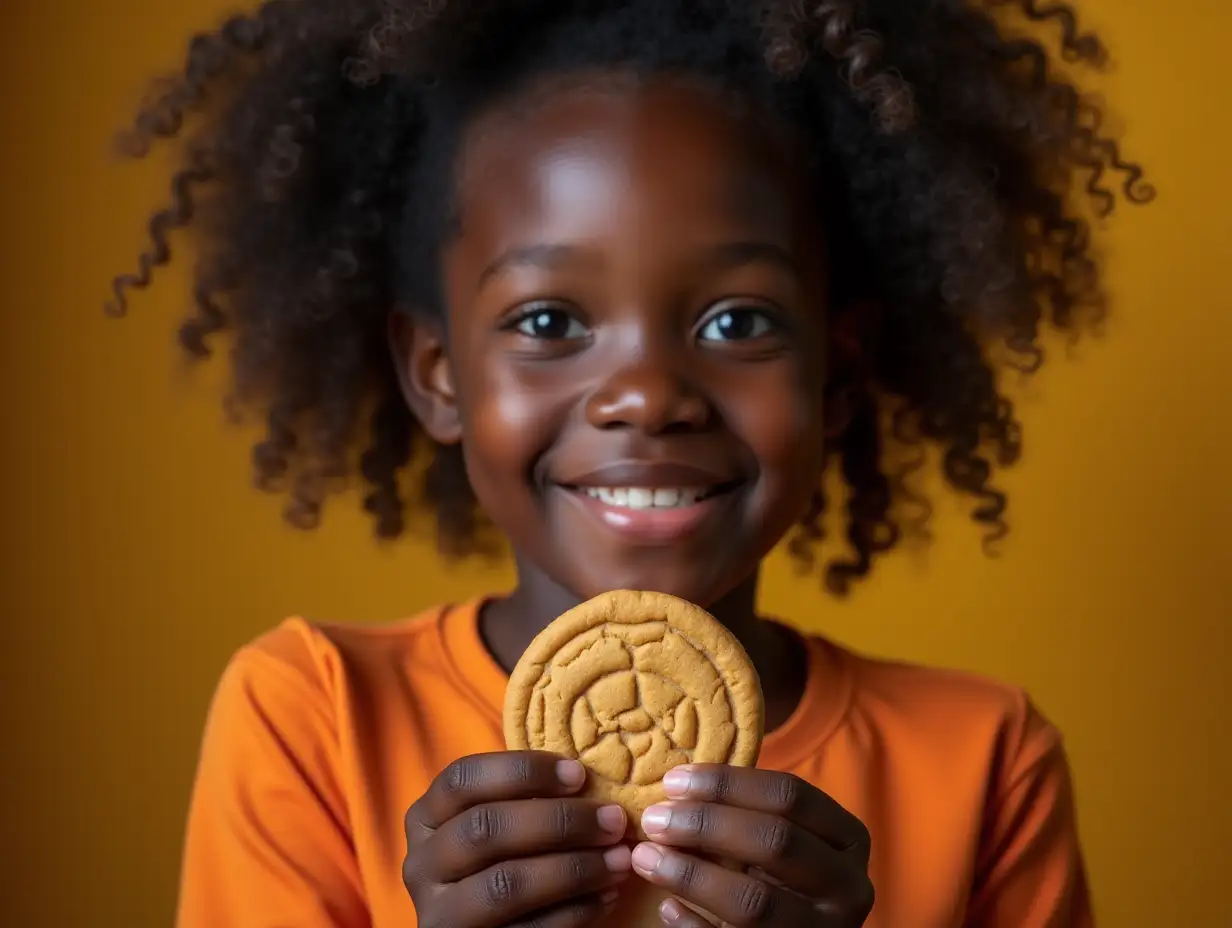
(508, 625)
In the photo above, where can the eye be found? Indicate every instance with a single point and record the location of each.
(737, 325)
(549, 324)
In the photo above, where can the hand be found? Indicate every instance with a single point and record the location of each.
(500, 840)
(806, 856)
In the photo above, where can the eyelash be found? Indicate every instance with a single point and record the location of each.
(522, 321)
(771, 323)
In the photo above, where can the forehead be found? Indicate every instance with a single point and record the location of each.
(631, 151)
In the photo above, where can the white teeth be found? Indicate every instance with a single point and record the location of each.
(665, 498)
(641, 499)
(646, 497)
(612, 496)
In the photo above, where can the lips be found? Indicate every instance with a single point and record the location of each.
(651, 503)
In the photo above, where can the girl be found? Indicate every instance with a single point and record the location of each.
(619, 279)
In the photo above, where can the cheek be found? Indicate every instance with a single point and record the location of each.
(791, 421)
(507, 411)
(507, 424)
(782, 424)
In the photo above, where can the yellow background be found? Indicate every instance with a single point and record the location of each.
(136, 557)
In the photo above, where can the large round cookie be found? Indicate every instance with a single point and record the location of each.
(633, 684)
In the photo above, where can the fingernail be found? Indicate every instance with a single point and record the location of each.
(656, 819)
(612, 819)
(617, 858)
(571, 773)
(646, 858)
(607, 898)
(670, 911)
(677, 782)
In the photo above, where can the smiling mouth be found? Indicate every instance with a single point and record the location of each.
(642, 498)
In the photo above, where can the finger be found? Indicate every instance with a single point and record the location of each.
(509, 891)
(489, 833)
(573, 914)
(678, 915)
(784, 850)
(493, 778)
(775, 793)
(734, 897)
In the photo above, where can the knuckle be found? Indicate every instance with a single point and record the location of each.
(786, 792)
(689, 872)
(693, 820)
(410, 874)
(853, 909)
(461, 776)
(576, 913)
(577, 869)
(580, 912)
(480, 825)
(562, 821)
(775, 838)
(521, 770)
(501, 887)
(864, 838)
(417, 873)
(755, 903)
(866, 896)
(721, 785)
(410, 820)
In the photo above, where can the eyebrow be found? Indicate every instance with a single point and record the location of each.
(545, 256)
(724, 256)
(735, 254)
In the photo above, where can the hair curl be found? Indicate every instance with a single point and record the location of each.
(316, 132)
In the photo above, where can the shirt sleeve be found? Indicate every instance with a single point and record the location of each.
(268, 840)
(1030, 873)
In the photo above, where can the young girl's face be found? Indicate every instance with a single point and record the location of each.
(634, 360)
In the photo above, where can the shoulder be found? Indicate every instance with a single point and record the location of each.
(303, 668)
(979, 780)
(952, 712)
(319, 653)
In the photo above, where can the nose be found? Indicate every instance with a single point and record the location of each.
(648, 396)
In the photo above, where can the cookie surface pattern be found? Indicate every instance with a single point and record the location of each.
(633, 684)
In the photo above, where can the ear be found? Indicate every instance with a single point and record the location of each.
(425, 375)
(850, 330)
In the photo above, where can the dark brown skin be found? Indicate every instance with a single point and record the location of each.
(636, 298)
(497, 840)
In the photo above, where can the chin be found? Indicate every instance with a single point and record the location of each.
(701, 590)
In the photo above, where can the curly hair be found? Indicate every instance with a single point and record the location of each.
(956, 164)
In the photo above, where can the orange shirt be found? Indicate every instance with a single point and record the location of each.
(320, 737)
